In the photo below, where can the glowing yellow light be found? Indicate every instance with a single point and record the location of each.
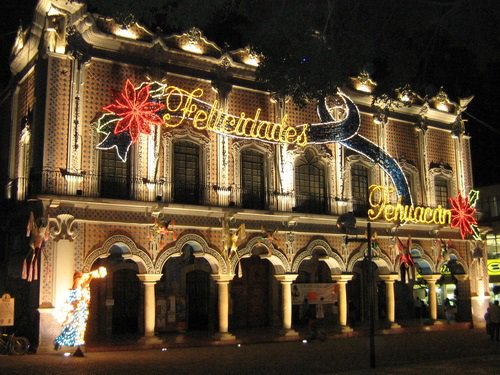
(182, 105)
(251, 60)
(442, 106)
(364, 88)
(381, 208)
(192, 47)
(125, 32)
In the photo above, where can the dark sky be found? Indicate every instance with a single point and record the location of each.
(483, 113)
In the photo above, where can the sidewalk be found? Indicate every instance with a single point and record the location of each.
(263, 335)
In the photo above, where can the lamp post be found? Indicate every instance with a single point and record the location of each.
(347, 223)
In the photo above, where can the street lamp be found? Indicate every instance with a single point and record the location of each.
(347, 224)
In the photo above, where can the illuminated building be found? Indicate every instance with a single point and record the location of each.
(489, 217)
(213, 204)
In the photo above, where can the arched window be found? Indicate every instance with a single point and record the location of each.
(359, 188)
(252, 179)
(441, 193)
(186, 172)
(310, 185)
(114, 176)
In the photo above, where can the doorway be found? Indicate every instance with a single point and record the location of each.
(197, 291)
(126, 302)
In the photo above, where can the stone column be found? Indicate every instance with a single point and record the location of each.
(223, 291)
(431, 281)
(149, 281)
(390, 299)
(286, 292)
(342, 281)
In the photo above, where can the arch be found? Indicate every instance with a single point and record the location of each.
(382, 261)
(412, 176)
(269, 171)
(201, 250)
(131, 251)
(275, 256)
(453, 254)
(331, 258)
(445, 174)
(422, 259)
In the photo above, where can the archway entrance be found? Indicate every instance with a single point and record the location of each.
(359, 293)
(125, 298)
(314, 282)
(250, 294)
(115, 304)
(197, 291)
(187, 293)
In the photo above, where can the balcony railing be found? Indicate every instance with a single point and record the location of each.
(63, 183)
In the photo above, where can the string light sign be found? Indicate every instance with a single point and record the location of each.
(461, 215)
(137, 109)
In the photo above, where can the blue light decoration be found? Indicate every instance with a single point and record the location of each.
(75, 324)
(345, 132)
(206, 116)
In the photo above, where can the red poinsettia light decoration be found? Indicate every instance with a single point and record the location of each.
(135, 110)
(462, 215)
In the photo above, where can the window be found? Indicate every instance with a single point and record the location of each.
(493, 245)
(310, 185)
(359, 188)
(441, 191)
(114, 176)
(186, 172)
(252, 179)
(411, 185)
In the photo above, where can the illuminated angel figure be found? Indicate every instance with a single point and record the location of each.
(406, 263)
(233, 239)
(162, 228)
(268, 237)
(77, 309)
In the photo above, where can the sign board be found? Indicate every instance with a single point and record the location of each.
(6, 310)
(493, 267)
(313, 292)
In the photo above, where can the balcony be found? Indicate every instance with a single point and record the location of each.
(60, 182)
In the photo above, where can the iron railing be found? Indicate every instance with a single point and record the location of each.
(64, 183)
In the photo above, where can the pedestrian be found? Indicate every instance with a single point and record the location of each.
(305, 311)
(495, 320)
(489, 330)
(448, 310)
(417, 304)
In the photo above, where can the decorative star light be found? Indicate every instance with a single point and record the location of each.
(136, 111)
(463, 214)
(132, 113)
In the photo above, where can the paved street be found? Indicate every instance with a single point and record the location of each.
(463, 351)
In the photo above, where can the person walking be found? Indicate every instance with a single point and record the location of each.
(495, 320)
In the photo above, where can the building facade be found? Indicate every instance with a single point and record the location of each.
(214, 204)
(489, 217)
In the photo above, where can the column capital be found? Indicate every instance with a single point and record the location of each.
(287, 277)
(342, 278)
(461, 277)
(149, 277)
(391, 277)
(431, 279)
(222, 278)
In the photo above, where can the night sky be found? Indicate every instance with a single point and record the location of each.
(482, 113)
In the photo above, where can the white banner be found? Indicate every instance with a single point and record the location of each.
(313, 292)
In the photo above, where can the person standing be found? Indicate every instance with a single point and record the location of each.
(495, 320)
